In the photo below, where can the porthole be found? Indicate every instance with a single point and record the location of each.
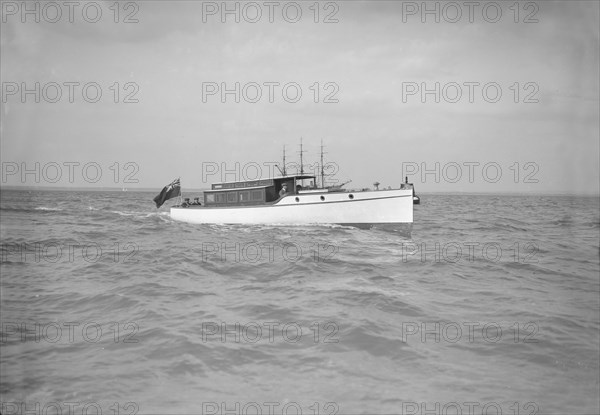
(322, 198)
(350, 196)
(297, 199)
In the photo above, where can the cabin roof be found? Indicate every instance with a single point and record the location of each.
(298, 177)
(289, 176)
(234, 188)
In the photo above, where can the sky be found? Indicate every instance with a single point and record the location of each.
(516, 85)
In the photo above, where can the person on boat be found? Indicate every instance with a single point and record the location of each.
(283, 190)
(196, 201)
(298, 188)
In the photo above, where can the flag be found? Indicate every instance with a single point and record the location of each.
(168, 192)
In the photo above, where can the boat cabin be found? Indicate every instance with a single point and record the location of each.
(254, 192)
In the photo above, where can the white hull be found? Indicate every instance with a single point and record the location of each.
(359, 208)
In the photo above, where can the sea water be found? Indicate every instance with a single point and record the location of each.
(108, 306)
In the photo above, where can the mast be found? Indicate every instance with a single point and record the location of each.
(301, 163)
(322, 168)
(284, 173)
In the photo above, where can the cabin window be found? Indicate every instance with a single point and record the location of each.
(256, 195)
(210, 198)
(220, 197)
(231, 197)
(244, 196)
